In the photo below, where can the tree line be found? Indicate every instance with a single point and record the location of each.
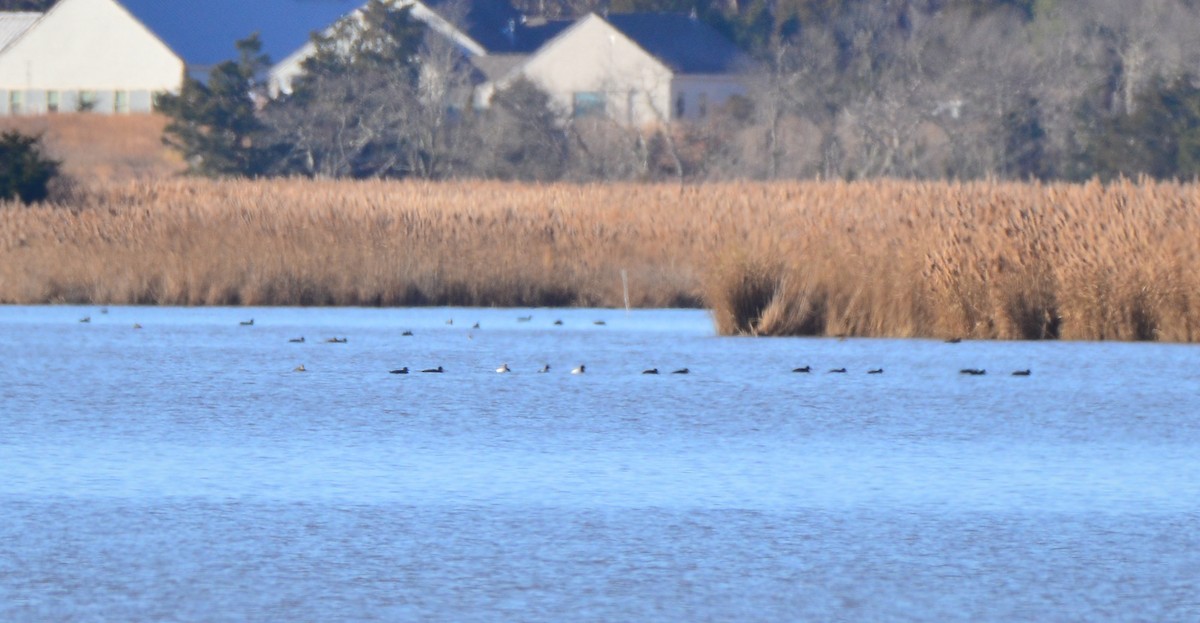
(851, 89)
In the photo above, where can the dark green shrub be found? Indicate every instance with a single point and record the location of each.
(25, 173)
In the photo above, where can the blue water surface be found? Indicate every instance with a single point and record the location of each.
(183, 471)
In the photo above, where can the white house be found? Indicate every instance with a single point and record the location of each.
(638, 68)
(82, 55)
(478, 29)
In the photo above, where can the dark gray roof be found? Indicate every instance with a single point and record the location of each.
(682, 42)
(203, 32)
(495, 25)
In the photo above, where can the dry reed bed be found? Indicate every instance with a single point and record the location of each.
(978, 260)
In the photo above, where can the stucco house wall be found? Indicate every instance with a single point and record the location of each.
(92, 52)
(594, 60)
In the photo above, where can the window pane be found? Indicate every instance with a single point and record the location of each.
(588, 104)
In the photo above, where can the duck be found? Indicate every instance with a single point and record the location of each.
(1025, 372)
(85, 319)
(475, 326)
(599, 323)
(247, 323)
(437, 370)
(681, 371)
(875, 371)
(954, 340)
(650, 371)
(299, 368)
(407, 334)
(524, 318)
(804, 370)
(403, 370)
(579, 370)
(503, 368)
(137, 325)
(337, 340)
(838, 371)
(558, 323)
(297, 340)
(545, 369)
(973, 371)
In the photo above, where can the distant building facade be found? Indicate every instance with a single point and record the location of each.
(82, 55)
(637, 69)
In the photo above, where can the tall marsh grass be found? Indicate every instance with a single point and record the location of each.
(882, 258)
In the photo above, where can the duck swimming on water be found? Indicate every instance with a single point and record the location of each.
(437, 370)
(503, 369)
(403, 370)
(579, 370)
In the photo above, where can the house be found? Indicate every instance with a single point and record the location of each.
(82, 55)
(637, 68)
(478, 29)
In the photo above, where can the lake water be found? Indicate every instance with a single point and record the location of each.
(182, 471)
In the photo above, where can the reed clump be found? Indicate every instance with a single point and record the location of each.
(880, 258)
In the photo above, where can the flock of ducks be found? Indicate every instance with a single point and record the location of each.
(504, 369)
(581, 369)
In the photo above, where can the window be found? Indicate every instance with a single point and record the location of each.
(588, 104)
(87, 101)
(703, 112)
(121, 101)
(680, 106)
(51, 101)
(15, 99)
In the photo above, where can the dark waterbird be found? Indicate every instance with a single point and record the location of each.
(804, 370)
(650, 371)
(580, 370)
(407, 334)
(973, 371)
(875, 371)
(247, 323)
(297, 340)
(838, 371)
(403, 370)
(1025, 372)
(680, 371)
(437, 370)
(337, 340)
(545, 368)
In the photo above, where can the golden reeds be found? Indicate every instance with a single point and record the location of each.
(95, 147)
(881, 258)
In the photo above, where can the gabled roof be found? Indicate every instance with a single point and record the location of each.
(497, 27)
(13, 25)
(681, 42)
(203, 32)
